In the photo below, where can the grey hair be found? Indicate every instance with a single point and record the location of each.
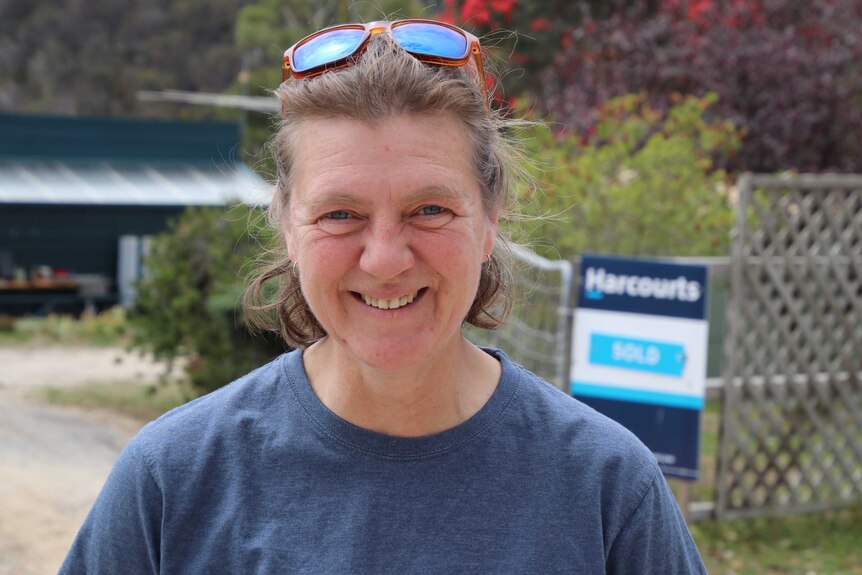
(385, 81)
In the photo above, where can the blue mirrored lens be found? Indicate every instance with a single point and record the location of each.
(327, 48)
(431, 40)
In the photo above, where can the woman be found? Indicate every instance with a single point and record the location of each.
(386, 442)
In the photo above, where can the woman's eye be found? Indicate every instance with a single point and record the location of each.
(431, 211)
(340, 222)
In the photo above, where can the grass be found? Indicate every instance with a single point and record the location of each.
(817, 544)
(108, 328)
(814, 544)
(144, 402)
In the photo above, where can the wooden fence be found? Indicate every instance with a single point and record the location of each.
(791, 426)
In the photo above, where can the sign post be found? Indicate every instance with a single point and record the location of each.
(639, 352)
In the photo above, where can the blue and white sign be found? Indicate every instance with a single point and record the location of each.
(640, 352)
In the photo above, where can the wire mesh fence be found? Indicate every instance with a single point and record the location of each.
(537, 334)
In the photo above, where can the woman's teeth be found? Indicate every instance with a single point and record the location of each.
(394, 303)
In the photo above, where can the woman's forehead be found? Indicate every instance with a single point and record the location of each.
(390, 132)
(417, 151)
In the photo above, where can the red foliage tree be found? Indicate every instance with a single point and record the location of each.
(788, 71)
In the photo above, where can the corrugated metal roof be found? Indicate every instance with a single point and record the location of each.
(28, 181)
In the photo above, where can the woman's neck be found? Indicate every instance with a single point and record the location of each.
(434, 396)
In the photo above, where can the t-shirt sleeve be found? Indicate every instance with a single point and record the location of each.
(122, 531)
(655, 539)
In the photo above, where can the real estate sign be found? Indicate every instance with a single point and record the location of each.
(639, 352)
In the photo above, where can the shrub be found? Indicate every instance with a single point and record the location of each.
(188, 303)
(789, 72)
(645, 183)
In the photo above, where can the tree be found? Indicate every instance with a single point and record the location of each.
(789, 72)
(188, 304)
(90, 58)
(646, 182)
(525, 34)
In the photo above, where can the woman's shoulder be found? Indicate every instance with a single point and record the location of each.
(575, 431)
(243, 403)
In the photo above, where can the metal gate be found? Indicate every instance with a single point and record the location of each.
(791, 432)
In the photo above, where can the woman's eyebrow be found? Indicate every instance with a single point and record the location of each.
(328, 199)
(336, 198)
(438, 192)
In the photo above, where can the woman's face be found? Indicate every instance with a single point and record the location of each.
(387, 228)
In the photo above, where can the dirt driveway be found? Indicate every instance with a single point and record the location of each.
(54, 460)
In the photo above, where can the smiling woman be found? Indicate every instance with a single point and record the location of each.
(387, 442)
(379, 214)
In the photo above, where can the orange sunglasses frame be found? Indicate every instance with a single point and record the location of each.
(372, 28)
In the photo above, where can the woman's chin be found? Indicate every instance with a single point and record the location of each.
(394, 353)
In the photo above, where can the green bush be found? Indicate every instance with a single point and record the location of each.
(188, 304)
(645, 183)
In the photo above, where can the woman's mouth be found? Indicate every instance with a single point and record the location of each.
(393, 303)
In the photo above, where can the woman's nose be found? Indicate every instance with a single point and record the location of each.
(386, 253)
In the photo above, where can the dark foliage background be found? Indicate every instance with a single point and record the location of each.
(89, 57)
(789, 72)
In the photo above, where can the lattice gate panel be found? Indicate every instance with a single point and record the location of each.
(791, 437)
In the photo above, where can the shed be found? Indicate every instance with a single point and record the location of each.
(78, 195)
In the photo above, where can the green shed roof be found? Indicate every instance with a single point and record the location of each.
(70, 138)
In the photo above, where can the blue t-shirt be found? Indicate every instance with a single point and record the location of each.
(261, 477)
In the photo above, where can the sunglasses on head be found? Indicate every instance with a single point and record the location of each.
(428, 41)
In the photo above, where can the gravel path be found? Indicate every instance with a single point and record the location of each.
(54, 460)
